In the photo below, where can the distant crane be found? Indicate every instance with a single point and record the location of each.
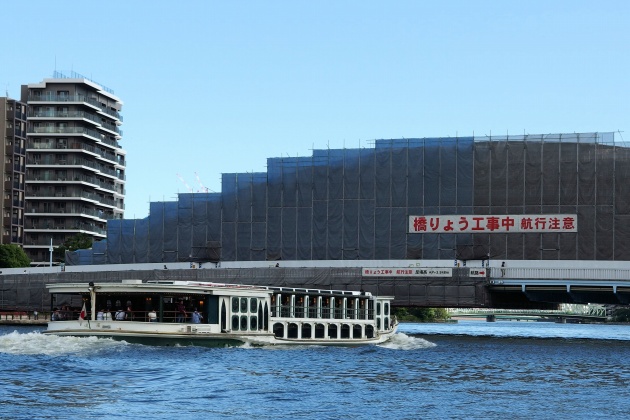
(190, 190)
(203, 189)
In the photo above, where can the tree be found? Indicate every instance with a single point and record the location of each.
(12, 256)
(78, 241)
(421, 314)
(621, 315)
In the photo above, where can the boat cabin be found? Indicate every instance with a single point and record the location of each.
(241, 311)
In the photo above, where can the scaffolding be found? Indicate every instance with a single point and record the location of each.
(353, 204)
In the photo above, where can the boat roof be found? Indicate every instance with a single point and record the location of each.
(178, 286)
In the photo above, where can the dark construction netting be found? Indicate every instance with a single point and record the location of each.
(354, 204)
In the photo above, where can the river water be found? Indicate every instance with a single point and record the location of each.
(471, 369)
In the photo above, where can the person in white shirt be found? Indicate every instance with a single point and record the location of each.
(152, 316)
(100, 315)
(120, 315)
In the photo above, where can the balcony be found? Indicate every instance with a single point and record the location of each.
(67, 130)
(51, 97)
(74, 115)
(64, 115)
(67, 195)
(105, 154)
(70, 227)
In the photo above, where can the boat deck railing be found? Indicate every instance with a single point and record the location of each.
(295, 311)
(138, 316)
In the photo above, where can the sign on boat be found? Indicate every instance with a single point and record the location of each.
(216, 314)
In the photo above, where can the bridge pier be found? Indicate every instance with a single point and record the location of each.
(491, 318)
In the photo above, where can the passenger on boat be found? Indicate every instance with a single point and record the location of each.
(152, 316)
(196, 317)
(181, 312)
(107, 316)
(100, 315)
(55, 315)
(120, 315)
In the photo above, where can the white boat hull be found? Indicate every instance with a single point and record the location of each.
(191, 334)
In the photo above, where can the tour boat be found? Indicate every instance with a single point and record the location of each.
(214, 314)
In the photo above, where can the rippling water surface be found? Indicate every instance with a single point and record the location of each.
(465, 370)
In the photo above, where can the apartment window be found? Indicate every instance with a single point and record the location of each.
(63, 94)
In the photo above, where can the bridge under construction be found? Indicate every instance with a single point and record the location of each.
(519, 285)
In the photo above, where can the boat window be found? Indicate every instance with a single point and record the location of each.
(299, 307)
(234, 304)
(357, 332)
(325, 311)
(244, 322)
(339, 303)
(332, 331)
(253, 323)
(378, 323)
(312, 307)
(345, 331)
(350, 309)
(369, 331)
(361, 309)
(378, 308)
(306, 331)
(386, 323)
(253, 305)
(244, 305)
(235, 322)
(278, 330)
(386, 309)
(292, 330)
(320, 331)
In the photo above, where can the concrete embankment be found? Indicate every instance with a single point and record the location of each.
(21, 318)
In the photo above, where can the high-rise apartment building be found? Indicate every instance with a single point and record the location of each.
(75, 167)
(13, 129)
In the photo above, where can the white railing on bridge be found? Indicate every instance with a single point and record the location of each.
(565, 309)
(561, 273)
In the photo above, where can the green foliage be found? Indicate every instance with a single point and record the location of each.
(12, 256)
(621, 315)
(78, 241)
(421, 314)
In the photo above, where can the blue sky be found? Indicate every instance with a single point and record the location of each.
(217, 87)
